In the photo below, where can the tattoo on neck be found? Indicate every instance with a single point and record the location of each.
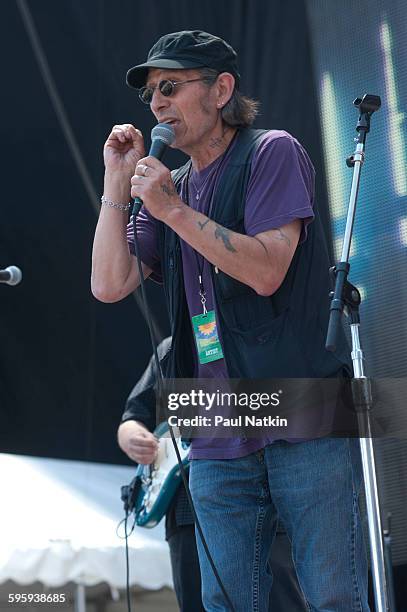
(168, 189)
(223, 233)
(281, 236)
(216, 143)
(202, 225)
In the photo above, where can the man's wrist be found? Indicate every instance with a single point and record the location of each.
(131, 422)
(117, 186)
(174, 213)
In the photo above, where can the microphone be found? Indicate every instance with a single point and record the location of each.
(162, 135)
(11, 275)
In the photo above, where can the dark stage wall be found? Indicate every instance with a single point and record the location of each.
(68, 362)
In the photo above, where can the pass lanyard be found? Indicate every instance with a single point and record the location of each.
(201, 285)
(200, 260)
(204, 326)
(209, 347)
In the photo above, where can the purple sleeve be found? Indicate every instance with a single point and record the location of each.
(147, 238)
(281, 185)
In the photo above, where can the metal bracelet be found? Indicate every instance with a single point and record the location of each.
(107, 202)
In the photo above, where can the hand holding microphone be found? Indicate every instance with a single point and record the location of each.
(152, 180)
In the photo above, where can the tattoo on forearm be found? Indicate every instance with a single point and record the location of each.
(262, 244)
(202, 225)
(223, 233)
(281, 236)
(169, 190)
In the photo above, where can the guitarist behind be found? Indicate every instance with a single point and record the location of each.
(136, 439)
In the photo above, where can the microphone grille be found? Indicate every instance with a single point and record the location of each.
(15, 275)
(164, 132)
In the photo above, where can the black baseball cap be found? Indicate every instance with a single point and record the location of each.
(186, 49)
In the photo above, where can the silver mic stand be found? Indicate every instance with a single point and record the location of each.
(347, 296)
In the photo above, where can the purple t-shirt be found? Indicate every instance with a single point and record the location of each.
(280, 190)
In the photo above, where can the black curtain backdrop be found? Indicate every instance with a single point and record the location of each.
(68, 362)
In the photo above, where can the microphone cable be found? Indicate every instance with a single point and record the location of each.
(160, 379)
(126, 535)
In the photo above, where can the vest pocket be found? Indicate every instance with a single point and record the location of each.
(270, 349)
(264, 332)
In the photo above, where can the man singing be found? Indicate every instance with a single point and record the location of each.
(230, 237)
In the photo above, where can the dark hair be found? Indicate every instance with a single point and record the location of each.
(240, 110)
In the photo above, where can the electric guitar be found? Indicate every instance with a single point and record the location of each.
(160, 480)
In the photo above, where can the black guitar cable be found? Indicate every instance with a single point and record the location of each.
(125, 499)
(126, 535)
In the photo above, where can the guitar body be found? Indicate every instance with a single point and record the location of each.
(159, 480)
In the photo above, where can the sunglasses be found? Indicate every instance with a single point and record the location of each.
(165, 87)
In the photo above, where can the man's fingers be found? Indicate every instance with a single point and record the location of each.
(125, 133)
(152, 162)
(142, 456)
(144, 440)
(140, 450)
(142, 443)
(143, 170)
(137, 180)
(135, 133)
(132, 133)
(121, 136)
(143, 448)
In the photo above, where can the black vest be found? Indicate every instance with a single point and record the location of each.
(279, 336)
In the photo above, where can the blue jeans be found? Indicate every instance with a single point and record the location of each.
(313, 487)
